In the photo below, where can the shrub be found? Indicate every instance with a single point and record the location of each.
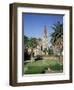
(56, 67)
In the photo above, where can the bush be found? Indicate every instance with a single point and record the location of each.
(56, 67)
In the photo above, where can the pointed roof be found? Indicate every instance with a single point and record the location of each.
(45, 30)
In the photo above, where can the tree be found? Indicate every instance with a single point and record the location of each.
(32, 43)
(57, 37)
(26, 39)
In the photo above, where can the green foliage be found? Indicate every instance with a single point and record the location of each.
(33, 42)
(30, 42)
(57, 37)
(41, 66)
(56, 67)
(58, 32)
(26, 39)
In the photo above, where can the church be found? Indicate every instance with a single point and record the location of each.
(42, 47)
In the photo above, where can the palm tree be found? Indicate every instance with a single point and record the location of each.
(57, 37)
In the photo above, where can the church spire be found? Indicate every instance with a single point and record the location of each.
(45, 31)
(45, 40)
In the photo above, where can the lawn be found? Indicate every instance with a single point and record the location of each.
(42, 66)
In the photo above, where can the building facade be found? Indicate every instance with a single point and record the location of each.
(42, 47)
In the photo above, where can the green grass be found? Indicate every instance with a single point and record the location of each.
(40, 66)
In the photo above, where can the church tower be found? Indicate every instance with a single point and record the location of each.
(45, 40)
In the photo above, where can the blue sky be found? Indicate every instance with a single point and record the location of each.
(34, 24)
